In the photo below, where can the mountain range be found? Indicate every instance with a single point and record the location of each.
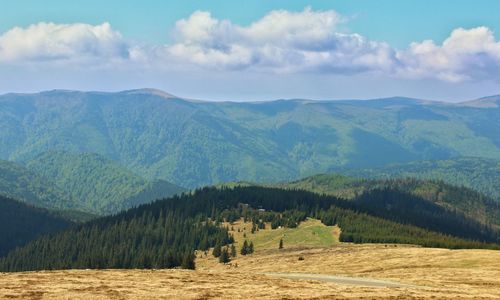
(194, 143)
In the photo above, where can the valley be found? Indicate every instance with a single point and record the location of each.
(140, 194)
(249, 150)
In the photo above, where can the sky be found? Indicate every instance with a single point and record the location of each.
(254, 50)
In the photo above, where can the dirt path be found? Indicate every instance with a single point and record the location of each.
(369, 282)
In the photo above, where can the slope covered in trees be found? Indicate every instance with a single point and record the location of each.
(460, 199)
(98, 184)
(165, 233)
(79, 186)
(21, 223)
(18, 182)
(195, 143)
(480, 174)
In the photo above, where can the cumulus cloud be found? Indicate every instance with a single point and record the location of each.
(51, 42)
(279, 42)
(466, 54)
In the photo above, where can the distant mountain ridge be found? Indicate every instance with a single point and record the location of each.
(194, 143)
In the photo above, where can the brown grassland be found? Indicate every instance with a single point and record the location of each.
(424, 273)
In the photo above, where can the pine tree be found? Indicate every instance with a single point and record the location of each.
(244, 248)
(188, 261)
(217, 250)
(281, 244)
(250, 248)
(224, 256)
(233, 251)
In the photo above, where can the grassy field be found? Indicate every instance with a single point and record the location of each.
(272, 273)
(310, 233)
(436, 273)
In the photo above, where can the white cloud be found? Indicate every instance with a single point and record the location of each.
(52, 42)
(466, 54)
(280, 42)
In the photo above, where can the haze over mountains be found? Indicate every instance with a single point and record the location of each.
(195, 143)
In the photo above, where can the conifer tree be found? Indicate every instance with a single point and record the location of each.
(233, 251)
(217, 250)
(188, 261)
(224, 256)
(281, 244)
(244, 248)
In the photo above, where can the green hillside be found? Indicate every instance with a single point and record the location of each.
(464, 200)
(164, 234)
(20, 223)
(194, 143)
(98, 184)
(480, 174)
(18, 182)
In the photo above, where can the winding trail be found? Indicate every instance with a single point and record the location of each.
(359, 281)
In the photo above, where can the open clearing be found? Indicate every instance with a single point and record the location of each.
(329, 269)
(439, 273)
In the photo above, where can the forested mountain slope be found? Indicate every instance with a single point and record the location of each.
(482, 175)
(20, 223)
(193, 143)
(165, 233)
(18, 182)
(98, 184)
(72, 184)
(463, 200)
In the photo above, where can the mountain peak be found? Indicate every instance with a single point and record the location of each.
(151, 91)
(485, 102)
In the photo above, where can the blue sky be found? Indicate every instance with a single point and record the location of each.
(192, 64)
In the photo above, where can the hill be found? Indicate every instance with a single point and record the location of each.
(98, 184)
(164, 234)
(195, 143)
(476, 173)
(21, 223)
(460, 199)
(18, 182)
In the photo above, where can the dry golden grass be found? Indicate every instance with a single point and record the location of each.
(433, 273)
(440, 274)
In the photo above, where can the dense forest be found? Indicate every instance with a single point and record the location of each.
(21, 223)
(462, 200)
(99, 185)
(18, 182)
(79, 185)
(165, 233)
(480, 174)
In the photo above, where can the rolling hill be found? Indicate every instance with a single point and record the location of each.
(78, 186)
(18, 182)
(480, 174)
(460, 199)
(194, 143)
(165, 233)
(20, 223)
(98, 184)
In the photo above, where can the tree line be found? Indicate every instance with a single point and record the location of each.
(165, 233)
